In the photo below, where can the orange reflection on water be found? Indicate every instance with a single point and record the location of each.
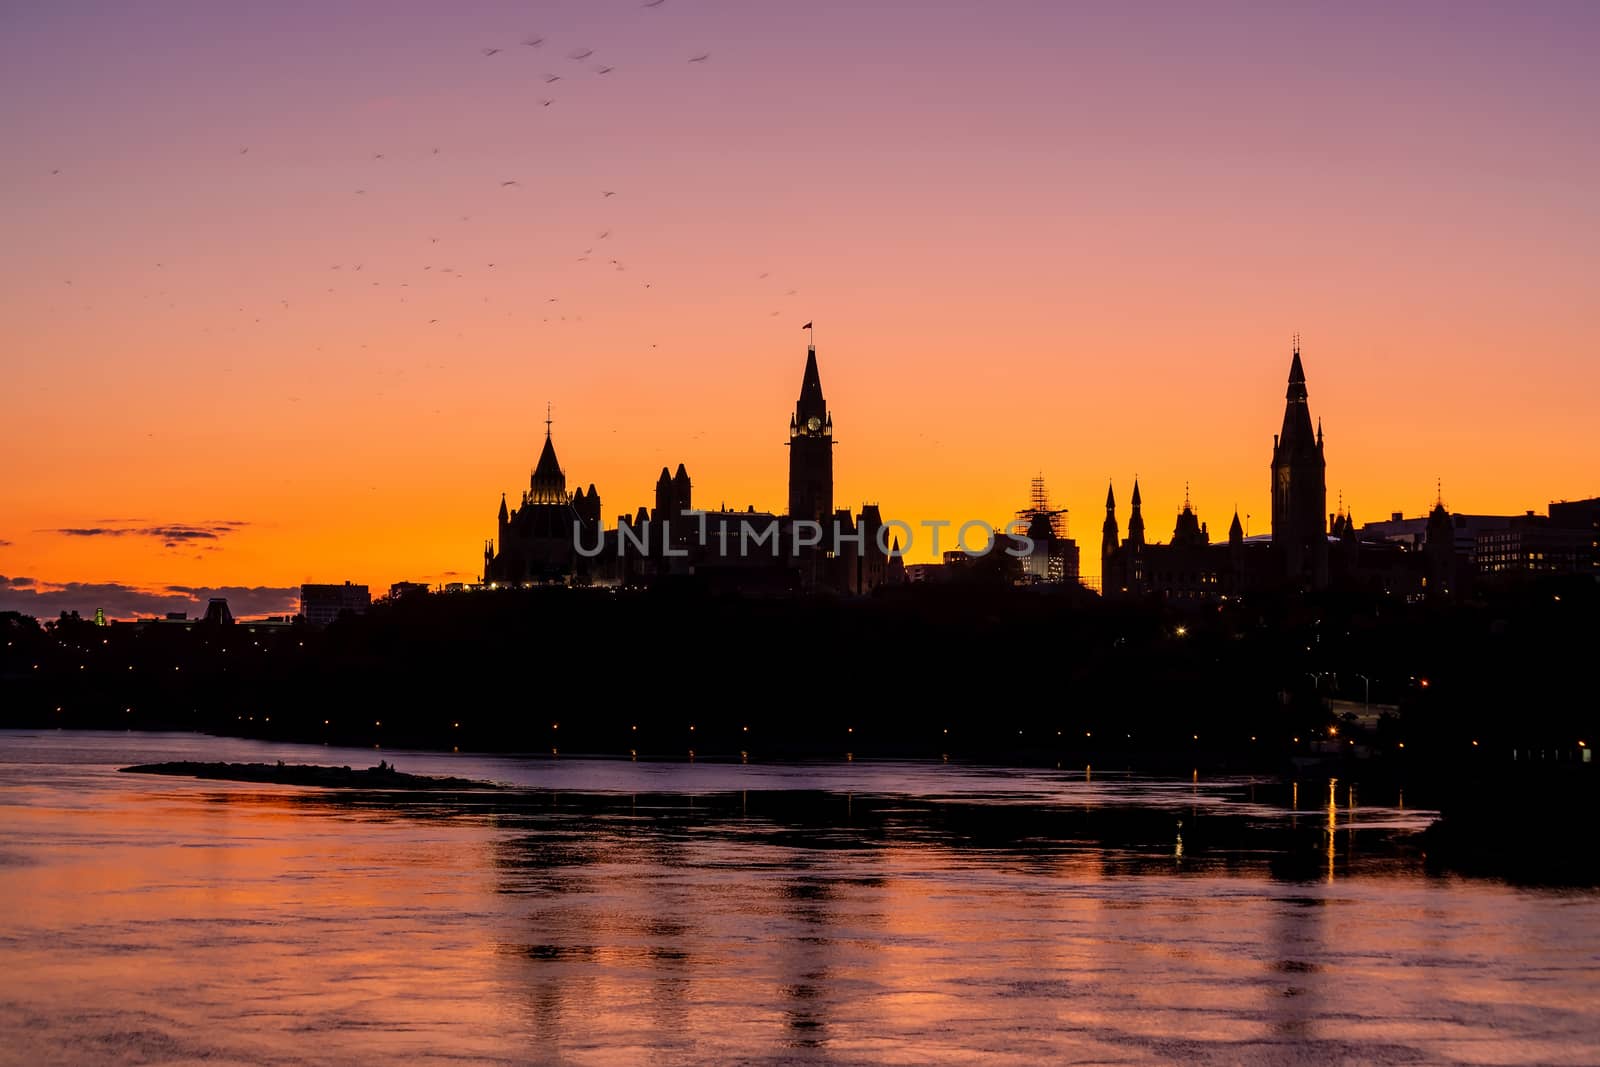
(241, 923)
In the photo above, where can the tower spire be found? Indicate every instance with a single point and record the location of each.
(547, 420)
(1136, 517)
(811, 447)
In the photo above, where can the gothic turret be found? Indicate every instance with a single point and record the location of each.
(664, 495)
(1440, 549)
(1189, 530)
(681, 492)
(1136, 519)
(1108, 530)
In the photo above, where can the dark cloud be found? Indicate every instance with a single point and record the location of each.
(46, 600)
(172, 534)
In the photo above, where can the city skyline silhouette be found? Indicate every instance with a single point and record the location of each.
(333, 292)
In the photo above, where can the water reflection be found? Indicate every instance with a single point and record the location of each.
(951, 916)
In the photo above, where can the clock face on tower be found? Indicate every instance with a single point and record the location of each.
(813, 424)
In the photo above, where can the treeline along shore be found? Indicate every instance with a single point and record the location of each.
(926, 671)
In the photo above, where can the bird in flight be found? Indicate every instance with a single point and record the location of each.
(534, 42)
(243, 151)
(604, 70)
(504, 184)
(377, 155)
(361, 192)
(701, 58)
(654, 3)
(491, 51)
(581, 54)
(550, 79)
(546, 103)
(607, 192)
(435, 151)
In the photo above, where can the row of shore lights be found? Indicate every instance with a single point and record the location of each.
(1333, 731)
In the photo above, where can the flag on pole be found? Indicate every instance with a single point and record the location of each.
(807, 326)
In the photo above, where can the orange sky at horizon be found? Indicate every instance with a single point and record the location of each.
(1085, 261)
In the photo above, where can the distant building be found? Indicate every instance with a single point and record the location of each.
(1190, 566)
(1535, 544)
(217, 612)
(811, 449)
(1307, 548)
(535, 542)
(1053, 558)
(1464, 529)
(322, 604)
(398, 590)
(1581, 515)
(1462, 550)
(1300, 488)
(556, 537)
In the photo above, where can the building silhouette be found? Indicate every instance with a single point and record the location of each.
(322, 604)
(535, 540)
(1438, 555)
(1300, 488)
(1308, 547)
(811, 449)
(1053, 557)
(1465, 551)
(554, 536)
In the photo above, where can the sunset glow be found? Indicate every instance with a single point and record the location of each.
(243, 351)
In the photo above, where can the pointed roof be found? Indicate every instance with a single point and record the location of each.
(1298, 437)
(682, 475)
(1111, 498)
(1236, 528)
(548, 469)
(1136, 499)
(502, 507)
(666, 477)
(811, 402)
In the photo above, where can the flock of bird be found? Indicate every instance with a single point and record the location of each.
(395, 277)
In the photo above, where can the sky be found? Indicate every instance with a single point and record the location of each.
(270, 312)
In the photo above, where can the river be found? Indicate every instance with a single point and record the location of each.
(620, 912)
